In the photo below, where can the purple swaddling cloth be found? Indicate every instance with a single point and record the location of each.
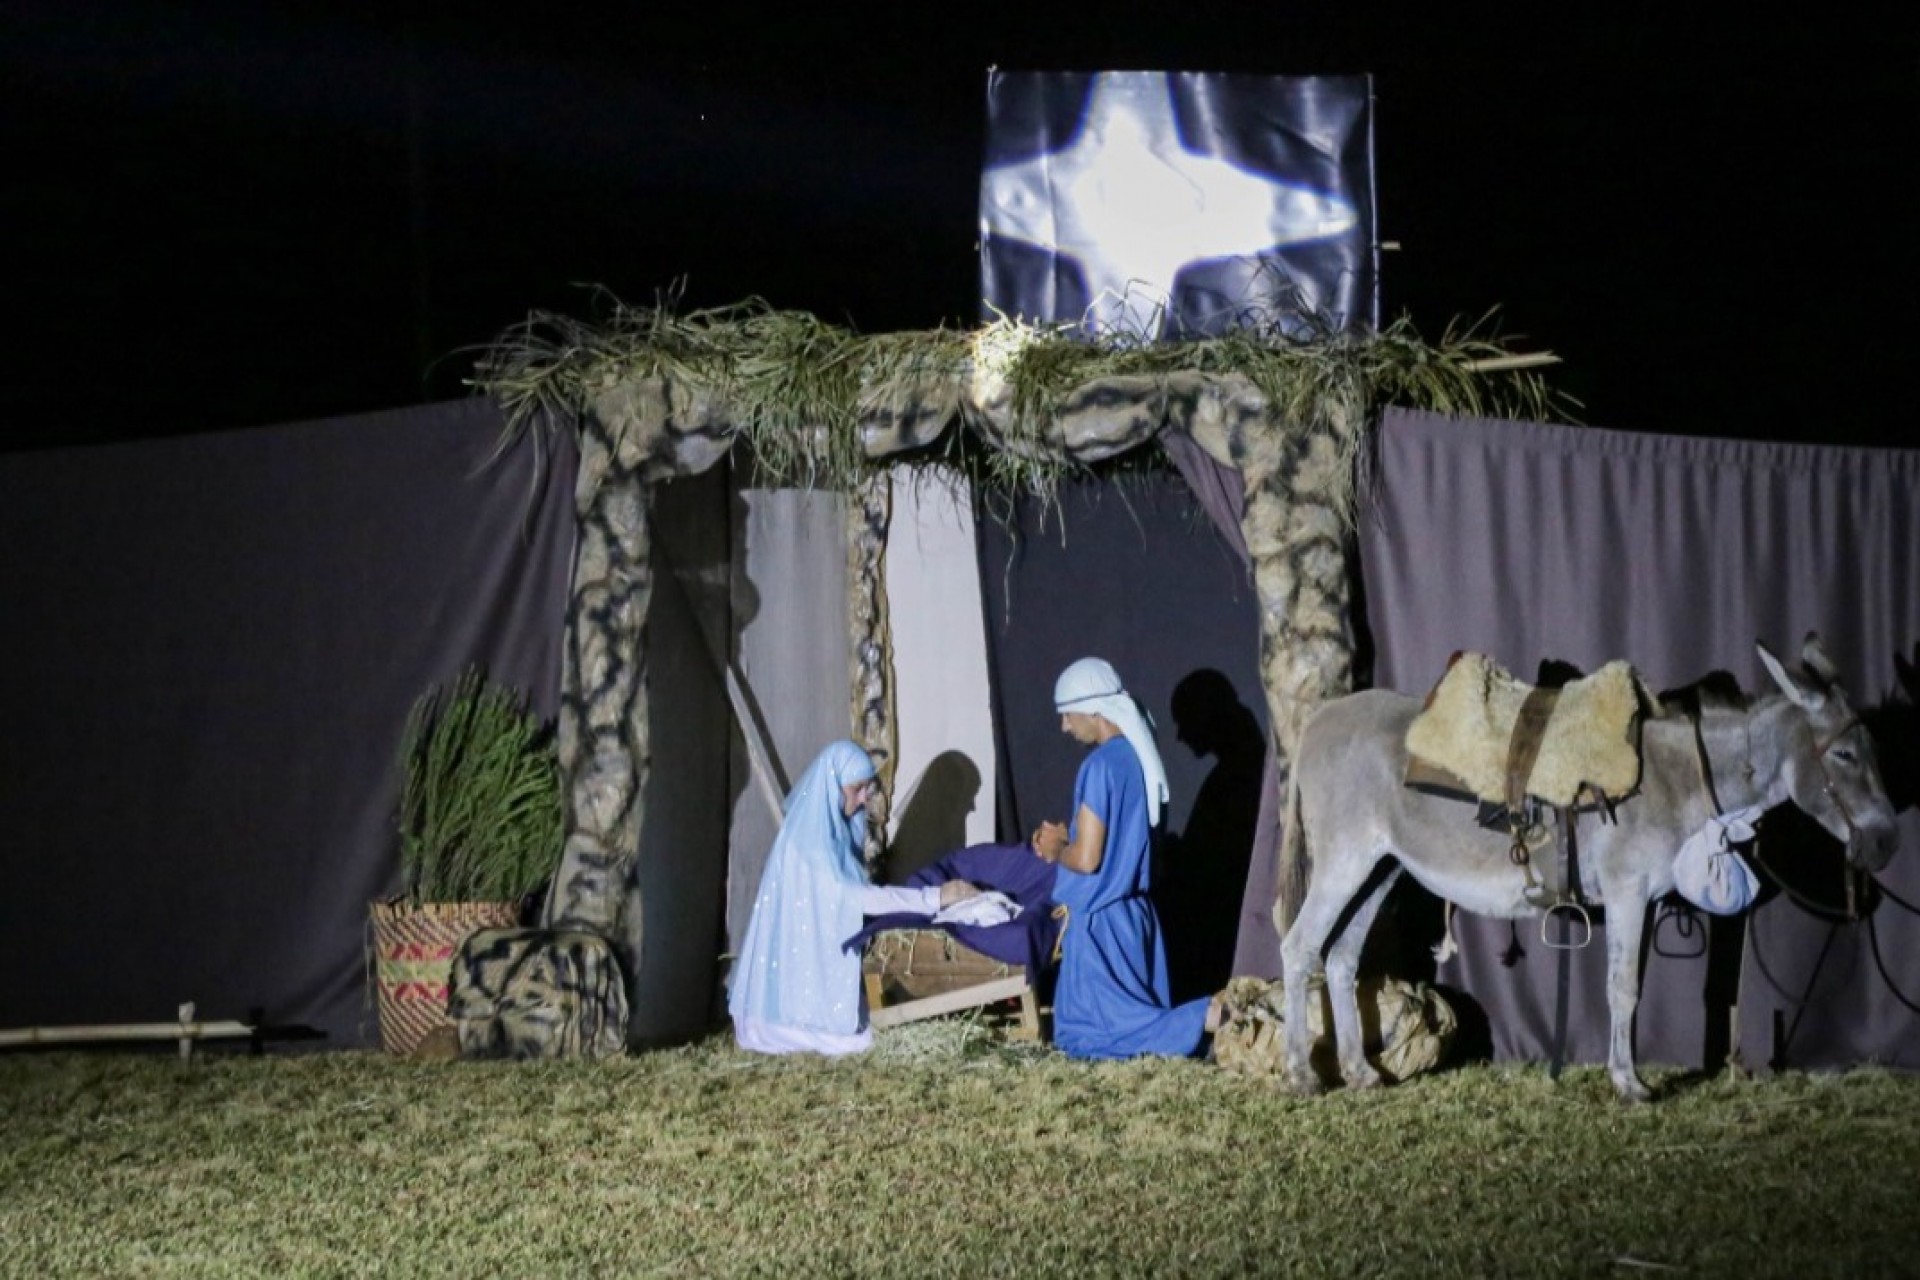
(1013, 869)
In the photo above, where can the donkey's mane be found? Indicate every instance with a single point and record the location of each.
(1715, 691)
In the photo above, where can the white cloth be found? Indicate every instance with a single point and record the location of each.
(1709, 874)
(983, 910)
(890, 899)
(1092, 687)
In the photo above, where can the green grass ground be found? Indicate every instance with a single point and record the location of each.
(941, 1153)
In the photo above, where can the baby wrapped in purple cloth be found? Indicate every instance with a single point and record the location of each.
(1012, 869)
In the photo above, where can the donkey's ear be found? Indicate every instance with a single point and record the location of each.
(1814, 655)
(1797, 687)
(1908, 674)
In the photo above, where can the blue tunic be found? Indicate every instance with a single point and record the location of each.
(1111, 997)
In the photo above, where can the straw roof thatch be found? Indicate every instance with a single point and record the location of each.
(797, 389)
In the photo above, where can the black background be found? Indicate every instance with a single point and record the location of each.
(219, 215)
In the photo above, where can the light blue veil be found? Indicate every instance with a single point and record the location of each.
(791, 970)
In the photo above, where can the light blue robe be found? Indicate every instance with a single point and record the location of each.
(792, 987)
(1111, 997)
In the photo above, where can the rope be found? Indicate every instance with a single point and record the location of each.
(1798, 1002)
(1849, 914)
(1891, 896)
(1706, 771)
(1818, 908)
(1879, 962)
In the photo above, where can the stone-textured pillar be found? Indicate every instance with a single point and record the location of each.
(554, 1000)
(559, 996)
(1300, 546)
(637, 434)
(603, 734)
(1297, 478)
(870, 652)
(1297, 486)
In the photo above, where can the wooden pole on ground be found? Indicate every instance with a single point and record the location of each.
(186, 1031)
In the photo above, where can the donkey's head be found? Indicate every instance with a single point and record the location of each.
(1827, 759)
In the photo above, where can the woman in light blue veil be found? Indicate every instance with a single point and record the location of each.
(793, 988)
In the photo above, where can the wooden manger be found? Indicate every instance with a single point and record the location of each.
(912, 974)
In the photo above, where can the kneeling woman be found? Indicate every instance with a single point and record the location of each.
(794, 987)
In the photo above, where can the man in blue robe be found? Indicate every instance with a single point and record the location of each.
(1110, 1000)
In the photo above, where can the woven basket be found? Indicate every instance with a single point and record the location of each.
(413, 958)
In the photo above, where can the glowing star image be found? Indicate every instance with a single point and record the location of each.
(1132, 206)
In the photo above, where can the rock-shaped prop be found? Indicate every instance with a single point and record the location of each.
(538, 993)
(1409, 1028)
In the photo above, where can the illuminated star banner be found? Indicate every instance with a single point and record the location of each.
(1178, 204)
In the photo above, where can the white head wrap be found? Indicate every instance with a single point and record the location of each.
(1091, 686)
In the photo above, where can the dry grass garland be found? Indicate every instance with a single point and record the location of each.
(794, 385)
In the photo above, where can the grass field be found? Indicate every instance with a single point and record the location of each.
(941, 1153)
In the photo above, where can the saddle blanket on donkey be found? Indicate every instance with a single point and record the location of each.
(1588, 740)
(1484, 735)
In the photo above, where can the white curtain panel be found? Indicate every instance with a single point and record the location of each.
(943, 785)
(790, 625)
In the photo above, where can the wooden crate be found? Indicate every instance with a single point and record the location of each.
(923, 973)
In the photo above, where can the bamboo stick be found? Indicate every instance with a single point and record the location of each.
(186, 1030)
(123, 1031)
(1497, 364)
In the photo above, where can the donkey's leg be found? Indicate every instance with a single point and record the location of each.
(1626, 920)
(1333, 887)
(1343, 987)
(1299, 963)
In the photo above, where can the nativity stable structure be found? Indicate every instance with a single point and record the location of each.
(1280, 411)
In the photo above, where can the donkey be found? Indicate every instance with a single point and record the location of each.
(1347, 810)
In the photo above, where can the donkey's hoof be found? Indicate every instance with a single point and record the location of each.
(1304, 1084)
(1632, 1089)
(1360, 1075)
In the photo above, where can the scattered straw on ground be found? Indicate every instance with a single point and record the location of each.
(945, 1149)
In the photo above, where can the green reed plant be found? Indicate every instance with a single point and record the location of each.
(481, 814)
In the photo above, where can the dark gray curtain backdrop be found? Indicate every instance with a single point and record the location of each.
(210, 646)
(681, 875)
(211, 643)
(1530, 542)
(1217, 488)
(1132, 570)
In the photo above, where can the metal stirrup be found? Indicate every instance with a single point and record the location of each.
(1574, 909)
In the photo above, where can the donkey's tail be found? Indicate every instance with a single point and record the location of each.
(1296, 860)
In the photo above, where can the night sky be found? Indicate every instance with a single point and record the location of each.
(226, 215)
